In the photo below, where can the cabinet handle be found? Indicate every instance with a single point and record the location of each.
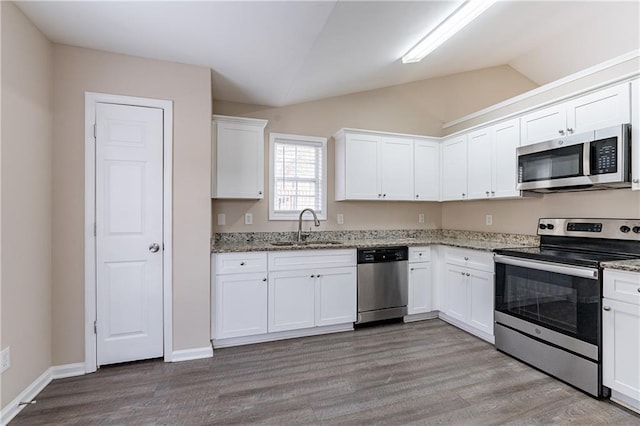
(493, 192)
(561, 132)
(419, 254)
(318, 276)
(411, 269)
(466, 258)
(259, 192)
(379, 195)
(264, 280)
(241, 263)
(606, 308)
(462, 273)
(417, 196)
(384, 195)
(638, 289)
(486, 192)
(313, 276)
(636, 181)
(468, 274)
(463, 195)
(569, 130)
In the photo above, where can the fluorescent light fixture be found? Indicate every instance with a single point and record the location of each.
(466, 13)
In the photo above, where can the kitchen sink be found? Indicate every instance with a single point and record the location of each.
(305, 243)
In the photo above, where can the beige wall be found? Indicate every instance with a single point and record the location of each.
(415, 108)
(77, 70)
(521, 216)
(26, 201)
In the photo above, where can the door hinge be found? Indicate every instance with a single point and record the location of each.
(95, 327)
(95, 131)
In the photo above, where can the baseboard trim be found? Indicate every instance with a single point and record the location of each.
(13, 408)
(420, 317)
(471, 330)
(625, 401)
(67, 370)
(191, 354)
(281, 335)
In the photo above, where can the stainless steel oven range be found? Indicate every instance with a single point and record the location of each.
(548, 299)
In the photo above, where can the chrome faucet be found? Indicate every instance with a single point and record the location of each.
(316, 222)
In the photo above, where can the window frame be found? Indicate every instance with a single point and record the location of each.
(301, 140)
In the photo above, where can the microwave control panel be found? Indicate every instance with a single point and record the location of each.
(604, 156)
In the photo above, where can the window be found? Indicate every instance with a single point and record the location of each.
(298, 176)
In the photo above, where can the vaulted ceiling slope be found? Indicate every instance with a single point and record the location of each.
(284, 52)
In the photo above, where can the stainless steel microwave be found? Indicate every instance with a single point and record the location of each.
(598, 159)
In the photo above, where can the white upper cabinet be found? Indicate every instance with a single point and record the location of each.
(237, 157)
(480, 164)
(454, 168)
(373, 166)
(505, 139)
(426, 169)
(604, 108)
(635, 135)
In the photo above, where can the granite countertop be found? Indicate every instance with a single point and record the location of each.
(462, 239)
(623, 265)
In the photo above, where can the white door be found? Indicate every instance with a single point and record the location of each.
(396, 168)
(454, 168)
(335, 298)
(420, 291)
(426, 166)
(129, 253)
(241, 305)
(456, 283)
(542, 125)
(481, 300)
(506, 139)
(362, 167)
(601, 109)
(480, 168)
(291, 300)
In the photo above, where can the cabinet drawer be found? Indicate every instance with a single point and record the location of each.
(477, 259)
(419, 254)
(622, 286)
(305, 259)
(234, 263)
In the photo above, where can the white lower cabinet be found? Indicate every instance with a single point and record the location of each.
(291, 300)
(335, 296)
(621, 337)
(469, 291)
(296, 292)
(420, 298)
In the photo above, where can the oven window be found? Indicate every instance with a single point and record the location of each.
(553, 164)
(569, 305)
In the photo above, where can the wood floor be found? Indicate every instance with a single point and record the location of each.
(423, 373)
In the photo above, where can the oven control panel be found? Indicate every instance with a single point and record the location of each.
(620, 229)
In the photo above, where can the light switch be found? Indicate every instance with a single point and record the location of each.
(248, 219)
(222, 219)
(421, 218)
(340, 219)
(488, 219)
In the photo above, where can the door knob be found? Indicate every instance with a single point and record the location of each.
(153, 248)
(569, 130)
(561, 132)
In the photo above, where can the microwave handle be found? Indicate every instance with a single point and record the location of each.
(586, 159)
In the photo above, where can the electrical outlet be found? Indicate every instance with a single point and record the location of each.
(340, 218)
(421, 218)
(222, 219)
(248, 219)
(5, 359)
(488, 219)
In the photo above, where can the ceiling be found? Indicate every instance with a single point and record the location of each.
(286, 52)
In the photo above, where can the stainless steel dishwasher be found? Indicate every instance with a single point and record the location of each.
(382, 283)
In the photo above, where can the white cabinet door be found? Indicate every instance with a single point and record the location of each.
(335, 296)
(621, 347)
(426, 160)
(635, 134)
(240, 305)
(238, 154)
(481, 300)
(291, 300)
(544, 124)
(506, 139)
(396, 168)
(480, 167)
(420, 288)
(454, 168)
(604, 108)
(362, 178)
(456, 284)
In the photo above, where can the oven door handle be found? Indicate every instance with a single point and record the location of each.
(574, 271)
